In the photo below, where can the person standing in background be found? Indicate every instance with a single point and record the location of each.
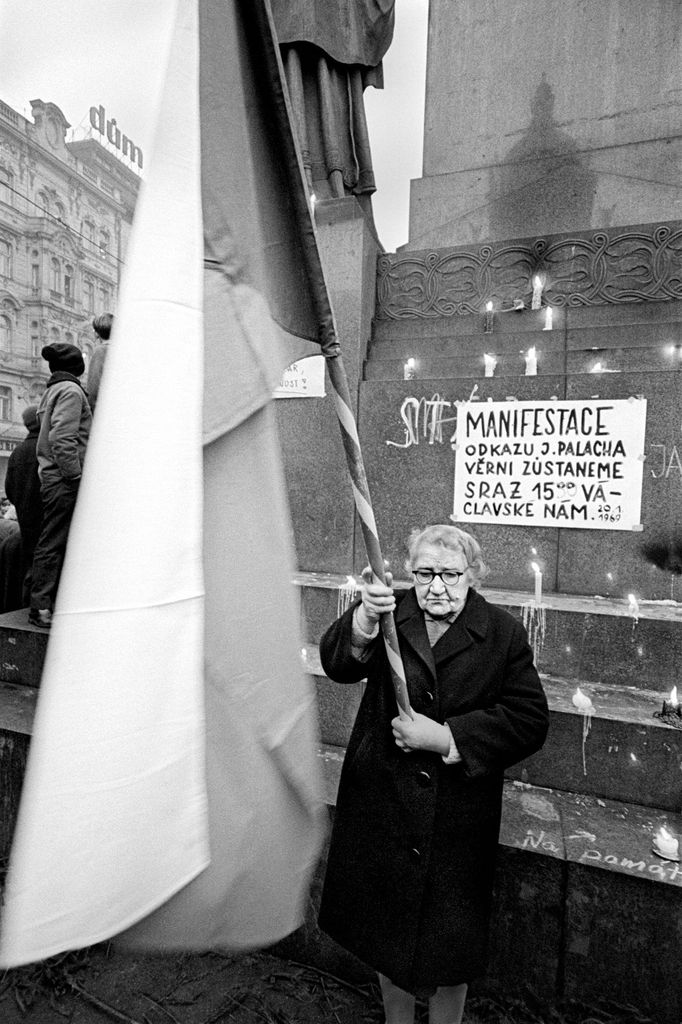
(22, 485)
(102, 326)
(65, 420)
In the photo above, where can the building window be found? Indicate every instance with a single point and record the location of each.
(35, 339)
(88, 288)
(6, 185)
(5, 403)
(68, 284)
(61, 212)
(89, 230)
(5, 258)
(35, 277)
(104, 242)
(5, 334)
(104, 297)
(56, 276)
(43, 202)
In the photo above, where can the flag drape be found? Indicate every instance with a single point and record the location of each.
(171, 795)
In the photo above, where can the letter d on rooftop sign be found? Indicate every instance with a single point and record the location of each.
(97, 117)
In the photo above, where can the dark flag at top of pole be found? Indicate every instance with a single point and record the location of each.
(172, 797)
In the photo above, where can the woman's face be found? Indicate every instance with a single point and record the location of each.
(438, 598)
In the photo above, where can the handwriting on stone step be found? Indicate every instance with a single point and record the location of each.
(542, 840)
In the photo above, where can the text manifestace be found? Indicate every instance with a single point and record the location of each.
(569, 463)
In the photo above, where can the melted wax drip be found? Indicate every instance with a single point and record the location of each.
(586, 708)
(347, 594)
(534, 622)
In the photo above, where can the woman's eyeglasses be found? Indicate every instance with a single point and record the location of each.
(450, 577)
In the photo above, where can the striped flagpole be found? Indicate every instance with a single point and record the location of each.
(259, 11)
(363, 504)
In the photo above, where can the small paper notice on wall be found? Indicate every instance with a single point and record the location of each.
(303, 379)
(558, 463)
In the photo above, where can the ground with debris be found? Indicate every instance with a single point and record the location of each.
(100, 985)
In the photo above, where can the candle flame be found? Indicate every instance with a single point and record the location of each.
(665, 835)
(673, 697)
(489, 306)
(537, 281)
(410, 363)
(535, 567)
(597, 368)
(633, 605)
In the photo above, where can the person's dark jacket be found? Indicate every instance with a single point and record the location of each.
(22, 485)
(410, 869)
(65, 421)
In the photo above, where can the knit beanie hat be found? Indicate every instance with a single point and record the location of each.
(62, 356)
(30, 417)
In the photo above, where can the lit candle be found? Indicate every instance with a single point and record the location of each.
(548, 319)
(490, 364)
(536, 301)
(597, 368)
(633, 606)
(531, 363)
(488, 328)
(538, 583)
(408, 369)
(666, 845)
(672, 706)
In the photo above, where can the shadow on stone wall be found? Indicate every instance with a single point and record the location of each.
(543, 180)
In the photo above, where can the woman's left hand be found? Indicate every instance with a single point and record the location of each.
(421, 733)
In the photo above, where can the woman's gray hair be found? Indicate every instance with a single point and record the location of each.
(454, 539)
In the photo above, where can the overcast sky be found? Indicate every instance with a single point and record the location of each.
(80, 53)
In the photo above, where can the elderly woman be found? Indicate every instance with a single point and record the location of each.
(410, 869)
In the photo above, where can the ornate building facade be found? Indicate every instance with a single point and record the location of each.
(66, 211)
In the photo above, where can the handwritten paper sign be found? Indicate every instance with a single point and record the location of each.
(303, 379)
(575, 464)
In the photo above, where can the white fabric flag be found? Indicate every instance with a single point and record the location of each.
(174, 714)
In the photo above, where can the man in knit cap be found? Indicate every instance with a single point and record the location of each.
(22, 486)
(65, 419)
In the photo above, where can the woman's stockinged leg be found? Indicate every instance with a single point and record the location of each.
(398, 1004)
(447, 1005)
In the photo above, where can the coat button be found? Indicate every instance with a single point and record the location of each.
(424, 779)
(415, 854)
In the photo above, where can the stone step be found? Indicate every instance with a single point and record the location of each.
(628, 752)
(580, 897)
(644, 652)
(598, 640)
(559, 822)
(621, 751)
(577, 884)
(659, 317)
(504, 340)
(22, 649)
(550, 362)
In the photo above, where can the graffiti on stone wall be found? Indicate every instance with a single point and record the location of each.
(424, 420)
(665, 461)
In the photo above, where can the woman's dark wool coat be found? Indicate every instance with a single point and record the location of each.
(410, 869)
